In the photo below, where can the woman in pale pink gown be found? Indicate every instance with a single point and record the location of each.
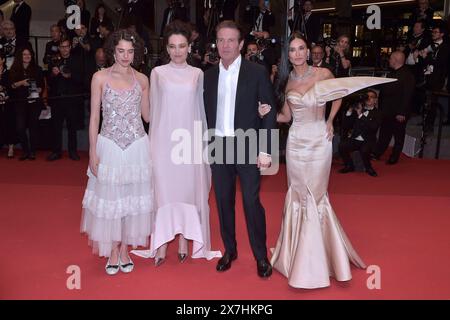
(312, 246)
(182, 179)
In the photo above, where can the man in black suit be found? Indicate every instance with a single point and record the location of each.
(396, 99)
(261, 18)
(417, 41)
(362, 120)
(65, 79)
(21, 16)
(233, 91)
(10, 43)
(318, 58)
(309, 23)
(435, 64)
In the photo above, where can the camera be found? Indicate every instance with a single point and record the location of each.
(213, 55)
(8, 48)
(3, 95)
(357, 101)
(265, 42)
(58, 62)
(258, 58)
(32, 89)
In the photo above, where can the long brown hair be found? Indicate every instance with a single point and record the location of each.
(17, 70)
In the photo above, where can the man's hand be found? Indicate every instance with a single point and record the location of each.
(400, 118)
(55, 71)
(264, 161)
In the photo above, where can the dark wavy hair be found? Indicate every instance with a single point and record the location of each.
(177, 27)
(286, 66)
(128, 35)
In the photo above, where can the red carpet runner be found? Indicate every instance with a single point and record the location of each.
(399, 222)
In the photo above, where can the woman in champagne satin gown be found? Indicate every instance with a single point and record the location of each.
(312, 246)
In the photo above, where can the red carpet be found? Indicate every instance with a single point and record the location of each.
(399, 221)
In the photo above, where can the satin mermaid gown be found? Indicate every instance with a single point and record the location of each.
(312, 245)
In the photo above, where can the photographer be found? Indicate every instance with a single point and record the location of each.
(435, 66)
(268, 49)
(197, 47)
(10, 43)
(417, 41)
(66, 79)
(261, 17)
(211, 57)
(360, 124)
(80, 43)
(51, 48)
(339, 57)
(7, 112)
(27, 82)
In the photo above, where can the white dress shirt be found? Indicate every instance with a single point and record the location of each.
(226, 98)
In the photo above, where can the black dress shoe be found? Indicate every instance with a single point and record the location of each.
(224, 263)
(391, 161)
(74, 156)
(371, 172)
(373, 156)
(24, 157)
(347, 169)
(54, 156)
(264, 268)
(32, 156)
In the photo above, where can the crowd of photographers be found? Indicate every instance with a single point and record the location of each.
(72, 57)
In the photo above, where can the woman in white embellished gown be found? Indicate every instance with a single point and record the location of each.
(118, 202)
(312, 246)
(182, 179)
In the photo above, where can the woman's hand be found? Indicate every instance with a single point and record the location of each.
(23, 83)
(330, 130)
(93, 163)
(263, 109)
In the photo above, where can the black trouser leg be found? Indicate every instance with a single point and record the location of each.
(224, 182)
(399, 139)
(366, 149)
(33, 125)
(72, 126)
(249, 176)
(58, 116)
(386, 132)
(346, 147)
(21, 126)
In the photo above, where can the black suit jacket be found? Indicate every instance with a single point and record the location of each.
(178, 13)
(21, 20)
(396, 97)
(253, 86)
(312, 26)
(251, 16)
(366, 126)
(439, 61)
